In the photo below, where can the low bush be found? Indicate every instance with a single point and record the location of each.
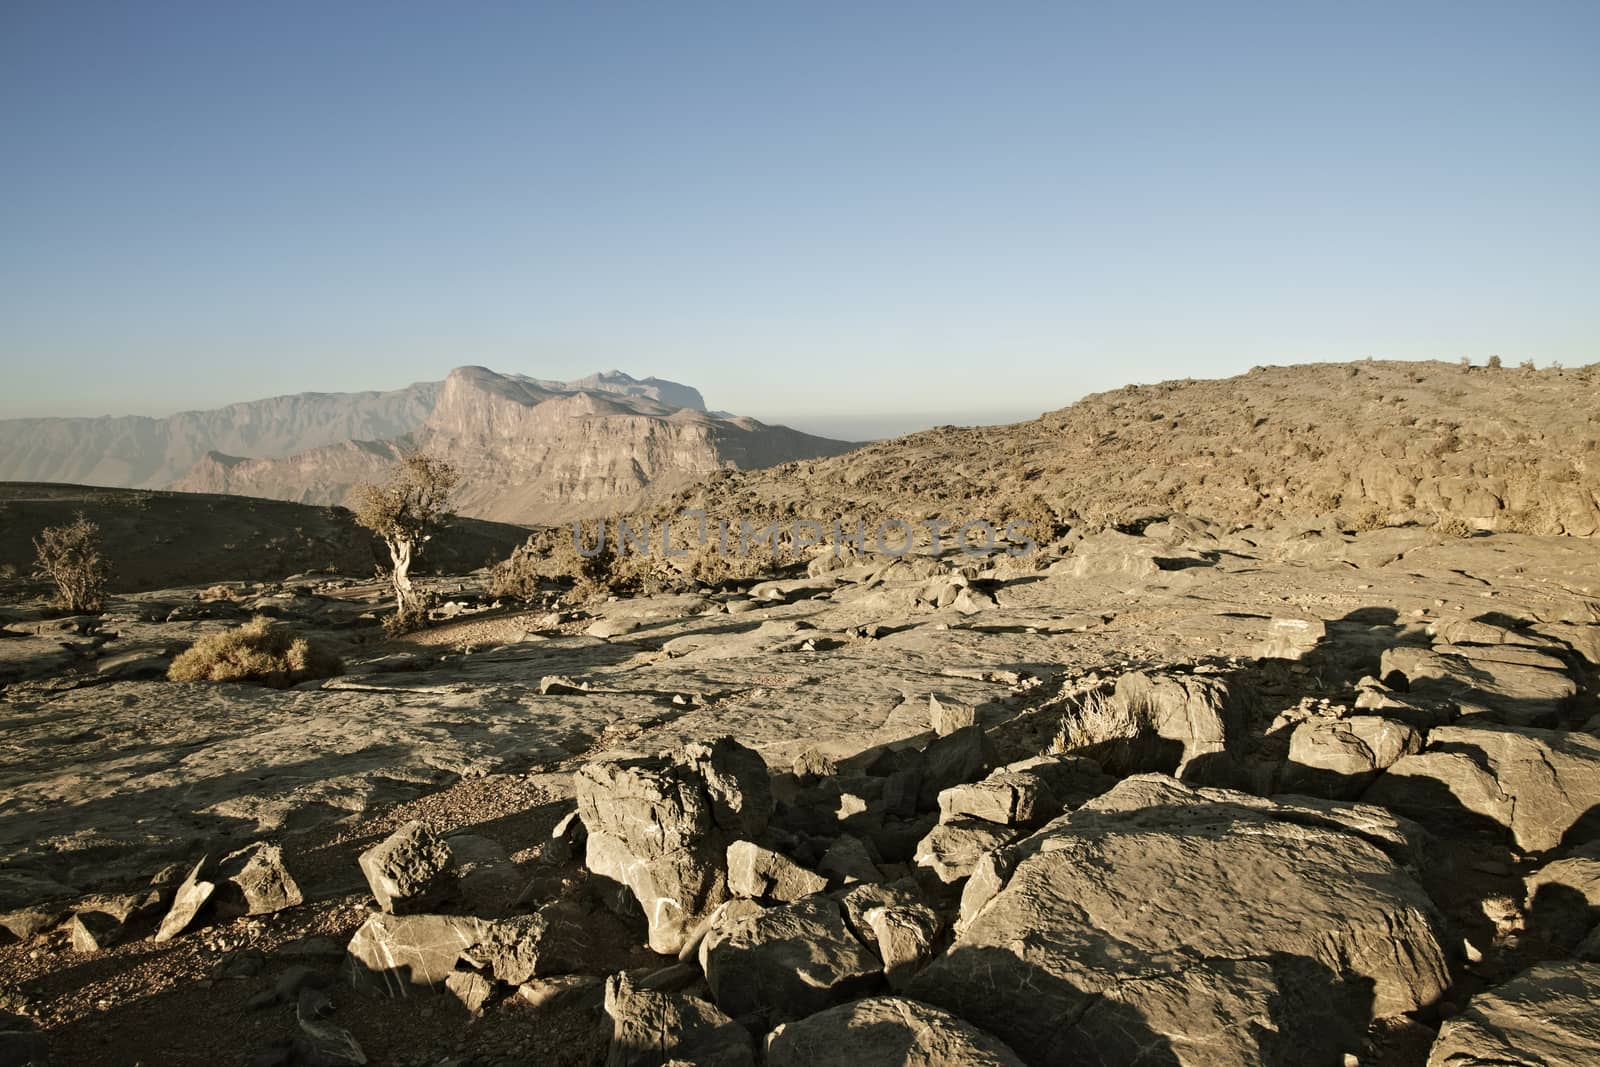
(70, 557)
(260, 651)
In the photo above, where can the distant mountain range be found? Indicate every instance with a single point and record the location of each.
(529, 450)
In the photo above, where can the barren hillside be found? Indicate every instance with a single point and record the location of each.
(1504, 449)
(159, 539)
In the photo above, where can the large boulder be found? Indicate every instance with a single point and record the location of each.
(1548, 1015)
(789, 961)
(649, 1029)
(885, 1032)
(1191, 926)
(737, 781)
(661, 826)
(1541, 785)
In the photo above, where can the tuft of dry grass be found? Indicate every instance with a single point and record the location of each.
(1118, 735)
(261, 651)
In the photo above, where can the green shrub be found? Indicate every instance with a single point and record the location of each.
(259, 651)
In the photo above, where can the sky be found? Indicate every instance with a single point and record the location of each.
(819, 209)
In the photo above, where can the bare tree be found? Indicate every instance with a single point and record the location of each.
(405, 511)
(70, 557)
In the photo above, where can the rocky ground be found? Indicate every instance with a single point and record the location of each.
(827, 818)
(1494, 448)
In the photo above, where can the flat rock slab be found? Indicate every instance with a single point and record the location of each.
(1518, 686)
(1548, 1015)
(1172, 927)
(1540, 785)
(886, 1032)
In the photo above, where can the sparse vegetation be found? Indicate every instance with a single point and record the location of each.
(260, 651)
(1452, 526)
(70, 557)
(405, 511)
(1371, 517)
(1119, 735)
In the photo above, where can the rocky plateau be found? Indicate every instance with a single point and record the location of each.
(1286, 755)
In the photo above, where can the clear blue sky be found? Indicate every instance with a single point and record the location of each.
(800, 208)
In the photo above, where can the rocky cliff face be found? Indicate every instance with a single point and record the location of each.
(534, 451)
(137, 452)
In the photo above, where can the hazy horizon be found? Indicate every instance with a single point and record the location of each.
(832, 210)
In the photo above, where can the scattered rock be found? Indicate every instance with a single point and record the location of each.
(661, 828)
(811, 765)
(737, 780)
(518, 949)
(1516, 686)
(470, 988)
(561, 685)
(848, 860)
(93, 931)
(955, 758)
(254, 881)
(903, 934)
(25, 923)
(1194, 711)
(1291, 637)
(409, 871)
(1341, 757)
(191, 896)
(561, 989)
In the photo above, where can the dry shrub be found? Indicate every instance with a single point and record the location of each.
(259, 651)
(1535, 519)
(517, 576)
(1371, 517)
(70, 557)
(1119, 735)
(1452, 526)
